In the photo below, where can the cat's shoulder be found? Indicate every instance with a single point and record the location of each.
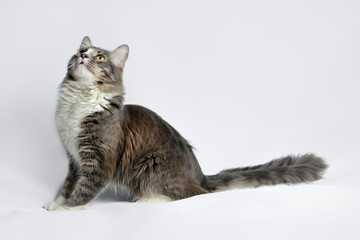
(132, 108)
(140, 112)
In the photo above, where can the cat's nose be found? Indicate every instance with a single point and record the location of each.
(84, 55)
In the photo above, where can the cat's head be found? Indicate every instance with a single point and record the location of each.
(96, 65)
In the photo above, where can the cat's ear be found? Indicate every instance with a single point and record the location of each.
(85, 43)
(119, 56)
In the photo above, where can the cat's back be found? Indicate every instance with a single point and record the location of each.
(143, 119)
(146, 126)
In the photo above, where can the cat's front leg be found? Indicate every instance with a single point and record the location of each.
(92, 179)
(66, 189)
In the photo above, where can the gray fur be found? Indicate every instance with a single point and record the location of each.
(286, 170)
(132, 147)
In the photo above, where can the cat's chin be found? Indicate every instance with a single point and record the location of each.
(82, 71)
(82, 66)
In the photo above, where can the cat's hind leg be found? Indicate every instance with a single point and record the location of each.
(185, 192)
(183, 188)
(79, 207)
(172, 189)
(155, 199)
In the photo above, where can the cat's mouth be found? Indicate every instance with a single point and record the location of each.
(82, 63)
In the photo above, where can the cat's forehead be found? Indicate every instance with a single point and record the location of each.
(95, 50)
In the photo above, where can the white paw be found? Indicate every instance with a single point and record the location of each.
(66, 208)
(156, 199)
(55, 204)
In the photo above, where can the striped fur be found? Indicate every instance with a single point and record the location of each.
(287, 170)
(109, 143)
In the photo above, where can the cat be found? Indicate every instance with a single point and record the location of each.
(108, 142)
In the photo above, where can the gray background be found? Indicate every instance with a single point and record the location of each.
(243, 81)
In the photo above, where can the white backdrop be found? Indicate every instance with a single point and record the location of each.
(243, 81)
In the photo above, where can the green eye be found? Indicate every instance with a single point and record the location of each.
(100, 58)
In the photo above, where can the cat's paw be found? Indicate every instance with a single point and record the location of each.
(51, 206)
(66, 208)
(55, 204)
(155, 199)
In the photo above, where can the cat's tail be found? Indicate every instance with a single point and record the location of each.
(288, 170)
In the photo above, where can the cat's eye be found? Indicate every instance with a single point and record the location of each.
(100, 58)
(78, 54)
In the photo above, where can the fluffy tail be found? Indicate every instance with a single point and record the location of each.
(288, 170)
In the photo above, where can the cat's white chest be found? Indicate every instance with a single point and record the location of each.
(77, 100)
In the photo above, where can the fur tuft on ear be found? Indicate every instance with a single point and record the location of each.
(120, 55)
(85, 43)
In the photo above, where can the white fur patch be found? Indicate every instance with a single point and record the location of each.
(53, 205)
(65, 208)
(155, 199)
(78, 99)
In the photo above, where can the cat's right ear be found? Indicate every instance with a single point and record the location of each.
(85, 43)
(120, 55)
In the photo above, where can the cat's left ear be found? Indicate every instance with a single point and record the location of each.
(85, 43)
(119, 56)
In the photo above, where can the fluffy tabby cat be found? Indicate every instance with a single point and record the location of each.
(108, 142)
